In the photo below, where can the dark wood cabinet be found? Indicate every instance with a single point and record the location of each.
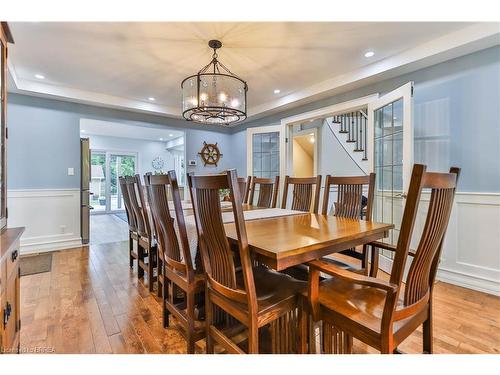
(10, 323)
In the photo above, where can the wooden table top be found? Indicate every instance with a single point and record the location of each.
(285, 241)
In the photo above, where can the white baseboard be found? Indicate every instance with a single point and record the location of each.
(469, 281)
(35, 248)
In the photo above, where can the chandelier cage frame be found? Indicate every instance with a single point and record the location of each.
(223, 115)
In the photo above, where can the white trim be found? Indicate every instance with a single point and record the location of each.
(51, 218)
(44, 247)
(470, 257)
(321, 113)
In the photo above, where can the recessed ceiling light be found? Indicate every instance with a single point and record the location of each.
(369, 54)
(170, 135)
(39, 76)
(161, 139)
(277, 91)
(151, 99)
(82, 131)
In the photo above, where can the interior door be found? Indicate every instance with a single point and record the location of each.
(390, 146)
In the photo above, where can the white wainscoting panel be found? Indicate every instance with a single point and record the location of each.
(51, 218)
(471, 251)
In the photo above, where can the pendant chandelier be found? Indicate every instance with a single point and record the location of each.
(214, 95)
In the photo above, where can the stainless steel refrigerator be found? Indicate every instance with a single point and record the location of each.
(85, 193)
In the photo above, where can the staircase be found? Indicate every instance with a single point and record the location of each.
(350, 129)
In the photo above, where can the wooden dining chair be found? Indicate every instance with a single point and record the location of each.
(256, 296)
(132, 226)
(268, 191)
(178, 265)
(146, 248)
(349, 205)
(152, 225)
(305, 194)
(384, 313)
(244, 186)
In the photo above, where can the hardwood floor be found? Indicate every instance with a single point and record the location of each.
(91, 302)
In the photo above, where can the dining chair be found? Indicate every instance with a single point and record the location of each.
(146, 248)
(132, 226)
(268, 191)
(178, 268)
(383, 313)
(256, 296)
(349, 204)
(305, 194)
(244, 186)
(152, 225)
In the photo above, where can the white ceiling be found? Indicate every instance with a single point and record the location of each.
(122, 64)
(115, 129)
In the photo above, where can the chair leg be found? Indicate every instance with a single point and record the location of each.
(209, 311)
(159, 268)
(140, 258)
(302, 321)
(253, 338)
(151, 256)
(427, 333)
(190, 318)
(130, 249)
(166, 313)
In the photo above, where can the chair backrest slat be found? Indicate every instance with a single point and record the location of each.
(349, 195)
(305, 193)
(128, 206)
(135, 205)
(268, 191)
(244, 186)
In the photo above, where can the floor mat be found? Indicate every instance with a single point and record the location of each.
(33, 264)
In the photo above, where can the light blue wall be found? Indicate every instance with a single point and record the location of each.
(457, 122)
(44, 140)
(42, 144)
(456, 116)
(146, 150)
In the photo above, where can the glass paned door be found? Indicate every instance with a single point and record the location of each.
(120, 165)
(266, 154)
(98, 180)
(265, 148)
(106, 168)
(391, 140)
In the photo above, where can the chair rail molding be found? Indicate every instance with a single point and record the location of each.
(471, 251)
(51, 218)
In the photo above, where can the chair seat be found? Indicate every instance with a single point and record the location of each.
(273, 288)
(362, 305)
(301, 271)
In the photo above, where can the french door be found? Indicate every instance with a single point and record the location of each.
(390, 135)
(106, 168)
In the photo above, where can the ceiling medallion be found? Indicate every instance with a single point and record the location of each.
(214, 95)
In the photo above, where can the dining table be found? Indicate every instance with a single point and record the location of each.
(282, 238)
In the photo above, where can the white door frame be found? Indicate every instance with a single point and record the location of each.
(264, 129)
(404, 92)
(335, 109)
